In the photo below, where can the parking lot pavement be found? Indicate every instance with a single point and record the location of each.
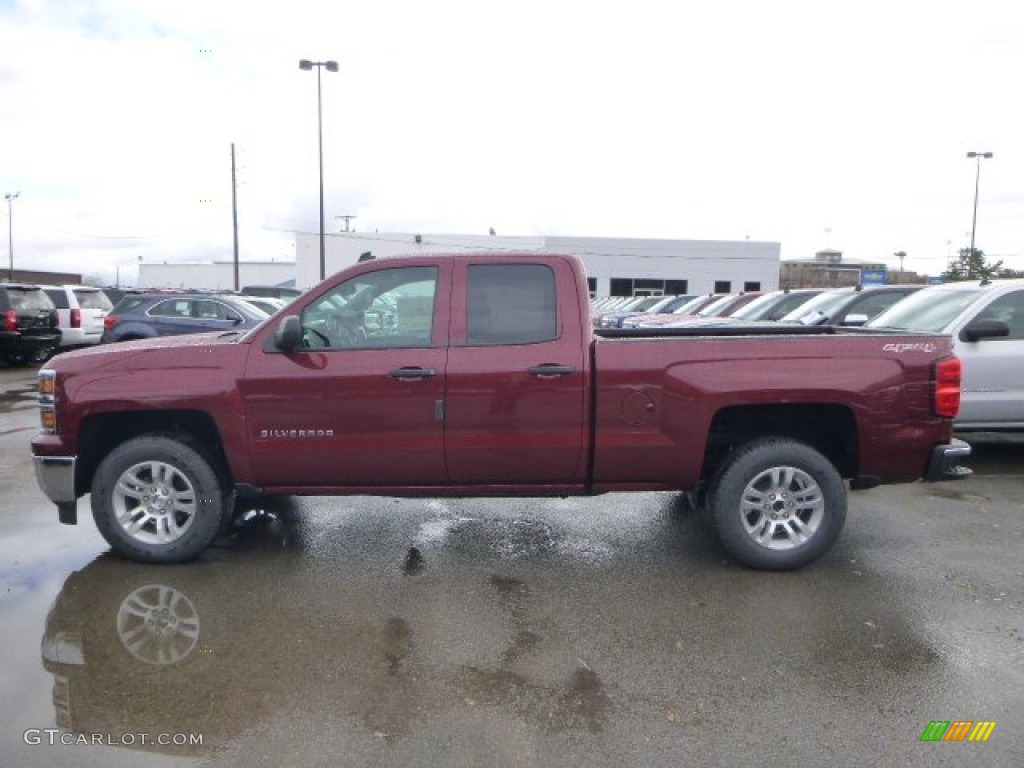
(606, 631)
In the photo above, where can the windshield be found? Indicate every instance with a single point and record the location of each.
(686, 308)
(712, 309)
(754, 308)
(928, 310)
(823, 302)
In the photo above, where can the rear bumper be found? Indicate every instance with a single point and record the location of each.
(945, 462)
(16, 341)
(79, 337)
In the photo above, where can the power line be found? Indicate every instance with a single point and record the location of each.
(120, 237)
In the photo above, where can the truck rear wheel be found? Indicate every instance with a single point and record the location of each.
(157, 500)
(778, 504)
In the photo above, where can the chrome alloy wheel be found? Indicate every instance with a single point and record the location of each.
(154, 502)
(782, 508)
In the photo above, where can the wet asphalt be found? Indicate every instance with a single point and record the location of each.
(602, 632)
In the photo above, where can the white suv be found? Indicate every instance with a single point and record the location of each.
(986, 321)
(81, 310)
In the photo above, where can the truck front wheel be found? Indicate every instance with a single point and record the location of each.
(778, 504)
(157, 500)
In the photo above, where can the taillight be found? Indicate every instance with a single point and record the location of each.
(76, 318)
(10, 320)
(109, 322)
(946, 387)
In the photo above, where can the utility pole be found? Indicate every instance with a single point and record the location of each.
(10, 197)
(346, 218)
(234, 213)
(977, 157)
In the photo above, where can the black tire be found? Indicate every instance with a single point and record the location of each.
(33, 357)
(777, 504)
(157, 500)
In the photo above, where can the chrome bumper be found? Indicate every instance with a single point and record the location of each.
(56, 476)
(945, 462)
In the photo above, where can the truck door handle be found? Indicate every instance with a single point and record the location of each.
(413, 372)
(551, 369)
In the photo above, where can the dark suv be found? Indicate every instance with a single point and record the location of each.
(148, 315)
(28, 324)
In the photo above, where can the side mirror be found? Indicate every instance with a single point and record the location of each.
(288, 336)
(854, 320)
(976, 330)
(231, 317)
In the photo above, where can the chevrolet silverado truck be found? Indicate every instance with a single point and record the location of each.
(481, 375)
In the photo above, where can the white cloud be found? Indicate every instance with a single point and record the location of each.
(777, 121)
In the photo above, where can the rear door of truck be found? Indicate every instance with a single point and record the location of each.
(516, 405)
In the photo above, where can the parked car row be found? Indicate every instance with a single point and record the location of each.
(811, 306)
(37, 321)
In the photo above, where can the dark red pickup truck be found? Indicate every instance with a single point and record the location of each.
(479, 374)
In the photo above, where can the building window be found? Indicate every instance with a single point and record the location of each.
(592, 286)
(622, 286)
(646, 287)
(751, 286)
(676, 287)
(723, 286)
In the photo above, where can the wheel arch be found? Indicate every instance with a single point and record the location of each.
(831, 429)
(101, 433)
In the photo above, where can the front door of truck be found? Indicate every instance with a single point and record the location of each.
(515, 411)
(360, 403)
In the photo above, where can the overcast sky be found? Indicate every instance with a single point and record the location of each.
(813, 124)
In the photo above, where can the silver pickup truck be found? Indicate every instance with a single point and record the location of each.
(986, 321)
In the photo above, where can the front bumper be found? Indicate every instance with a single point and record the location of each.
(56, 476)
(945, 462)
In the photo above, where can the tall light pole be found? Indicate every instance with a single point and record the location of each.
(901, 255)
(330, 66)
(976, 156)
(10, 197)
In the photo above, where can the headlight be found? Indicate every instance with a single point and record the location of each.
(48, 402)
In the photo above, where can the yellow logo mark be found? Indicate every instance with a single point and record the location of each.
(982, 730)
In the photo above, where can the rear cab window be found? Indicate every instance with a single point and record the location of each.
(511, 304)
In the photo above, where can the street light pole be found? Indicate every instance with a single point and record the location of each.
(330, 66)
(976, 156)
(10, 197)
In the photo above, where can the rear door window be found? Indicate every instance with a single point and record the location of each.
(59, 297)
(511, 304)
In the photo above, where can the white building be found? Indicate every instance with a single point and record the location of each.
(615, 266)
(215, 275)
